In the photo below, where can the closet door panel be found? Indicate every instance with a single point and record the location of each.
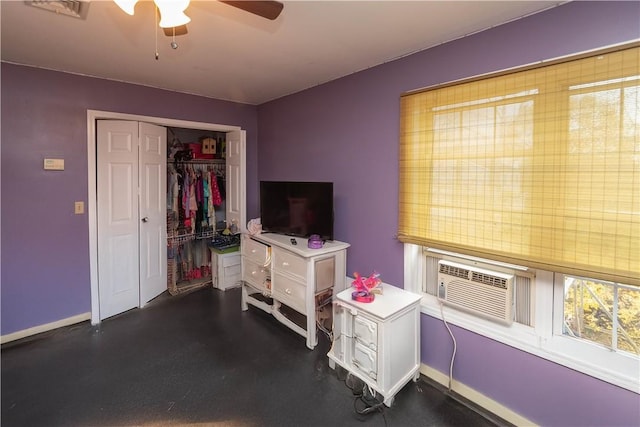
(235, 175)
(117, 216)
(153, 213)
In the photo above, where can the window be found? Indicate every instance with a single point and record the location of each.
(604, 313)
(538, 168)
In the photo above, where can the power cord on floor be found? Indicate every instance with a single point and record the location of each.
(324, 330)
(364, 402)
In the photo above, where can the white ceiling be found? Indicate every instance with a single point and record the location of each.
(233, 55)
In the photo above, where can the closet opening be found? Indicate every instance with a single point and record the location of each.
(197, 227)
(223, 156)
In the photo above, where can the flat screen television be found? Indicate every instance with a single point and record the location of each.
(297, 208)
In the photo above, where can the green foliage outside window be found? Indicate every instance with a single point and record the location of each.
(605, 313)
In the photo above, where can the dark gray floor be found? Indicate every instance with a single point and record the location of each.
(195, 359)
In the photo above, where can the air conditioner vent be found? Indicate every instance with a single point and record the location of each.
(489, 279)
(454, 271)
(74, 8)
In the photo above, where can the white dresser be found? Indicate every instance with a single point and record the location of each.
(378, 341)
(280, 270)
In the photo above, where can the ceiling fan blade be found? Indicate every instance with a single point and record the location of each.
(180, 31)
(267, 9)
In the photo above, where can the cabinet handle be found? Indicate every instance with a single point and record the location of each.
(287, 291)
(285, 264)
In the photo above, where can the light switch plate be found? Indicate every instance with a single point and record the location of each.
(79, 208)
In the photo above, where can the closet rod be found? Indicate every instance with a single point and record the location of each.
(199, 162)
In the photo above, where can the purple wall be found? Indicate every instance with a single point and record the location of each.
(346, 131)
(542, 391)
(45, 246)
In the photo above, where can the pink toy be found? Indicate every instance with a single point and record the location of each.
(364, 286)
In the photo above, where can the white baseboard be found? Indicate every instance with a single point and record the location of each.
(44, 328)
(476, 397)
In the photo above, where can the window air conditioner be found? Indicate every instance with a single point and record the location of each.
(485, 292)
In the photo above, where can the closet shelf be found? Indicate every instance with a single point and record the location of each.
(191, 236)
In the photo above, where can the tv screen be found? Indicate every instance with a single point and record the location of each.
(297, 208)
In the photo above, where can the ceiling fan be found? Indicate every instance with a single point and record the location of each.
(174, 21)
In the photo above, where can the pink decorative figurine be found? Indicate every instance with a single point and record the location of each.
(364, 287)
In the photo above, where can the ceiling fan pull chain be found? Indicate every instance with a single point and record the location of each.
(156, 31)
(174, 45)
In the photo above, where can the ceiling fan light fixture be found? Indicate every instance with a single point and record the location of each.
(172, 13)
(126, 5)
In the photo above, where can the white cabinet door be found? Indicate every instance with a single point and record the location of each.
(236, 180)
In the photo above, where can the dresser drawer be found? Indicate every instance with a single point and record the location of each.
(255, 274)
(231, 273)
(229, 282)
(365, 360)
(255, 251)
(286, 262)
(227, 269)
(365, 331)
(231, 260)
(289, 292)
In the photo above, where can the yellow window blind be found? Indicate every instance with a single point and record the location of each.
(538, 167)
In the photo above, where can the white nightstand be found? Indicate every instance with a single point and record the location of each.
(378, 341)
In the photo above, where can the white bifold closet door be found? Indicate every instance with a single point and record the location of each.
(131, 211)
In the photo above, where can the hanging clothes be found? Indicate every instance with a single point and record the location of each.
(193, 204)
(193, 193)
(205, 196)
(171, 177)
(217, 198)
(186, 185)
(178, 196)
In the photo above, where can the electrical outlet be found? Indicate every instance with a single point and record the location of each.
(79, 208)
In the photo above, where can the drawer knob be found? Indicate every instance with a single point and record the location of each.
(285, 264)
(288, 291)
